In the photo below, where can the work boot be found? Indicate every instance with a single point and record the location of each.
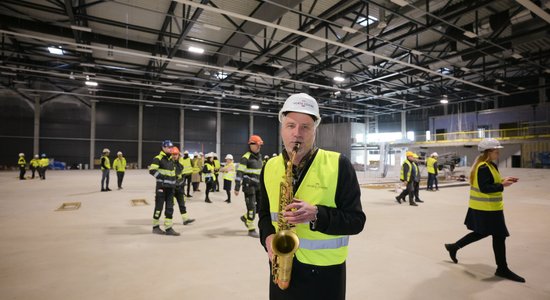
(227, 201)
(171, 231)
(412, 203)
(207, 200)
(419, 201)
(157, 230)
(188, 221)
(103, 190)
(188, 196)
(398, 199)
(254, 234)
(452, 248)
(508, 274)
(244, 221)
(108, 189)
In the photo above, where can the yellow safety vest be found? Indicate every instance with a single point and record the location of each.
(119, 164)
(230, 173)
(430, 162)
(217, 165)
(196, 168)
(44, 162)
(402, 177)
(35, 162)
(187, 166)
(483, 201)
(107, 162)
(317, 188)
(211, 174)
(21, 161)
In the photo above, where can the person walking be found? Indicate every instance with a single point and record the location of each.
(105, 170)
(217, 167)
(179, 189)
(35, 164)
(164, 170)
(195, 176)
(408, 173)
(228, 176)
(22, 162)
(485, 216)
(119, 164)
(325, 210)
(187, 172)
(432, 167)
(248, 173)
(208, 173)
(44, 164)
(416, 180)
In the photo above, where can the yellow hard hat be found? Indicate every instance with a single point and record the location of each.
(409, 153)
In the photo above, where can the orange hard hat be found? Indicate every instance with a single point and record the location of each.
(175, 151)
(255, 139)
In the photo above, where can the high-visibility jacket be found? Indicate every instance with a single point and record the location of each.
(119, 164)
(196, 165)
(164, 170)
(217, 166)
(430, 165)
(249, 170)
(318, 187)
(486, 201)
(406, 174)
(22, 162)
(35, 162)
(44, 162)
(178, 165)
(208, 171)
(105, 161)
(229, 172)
(187, 166)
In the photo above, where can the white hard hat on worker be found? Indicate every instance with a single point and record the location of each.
(301, 103)
(488, 144)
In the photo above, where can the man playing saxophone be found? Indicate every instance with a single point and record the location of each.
(325, 209)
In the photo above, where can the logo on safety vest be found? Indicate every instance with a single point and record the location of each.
(316, 186)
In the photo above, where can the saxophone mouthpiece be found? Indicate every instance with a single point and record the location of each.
(296, 147)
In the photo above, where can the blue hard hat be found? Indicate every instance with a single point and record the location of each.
(167, 143)
(43, 155)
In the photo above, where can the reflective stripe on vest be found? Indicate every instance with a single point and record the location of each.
(22, 161)
(486, 201)
(430, 165)
(402, 177)
(317, 188)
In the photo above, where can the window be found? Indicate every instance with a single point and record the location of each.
(366, 21)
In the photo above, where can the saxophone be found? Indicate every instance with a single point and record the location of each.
(286, 242)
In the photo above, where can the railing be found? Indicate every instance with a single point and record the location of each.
(520, 133)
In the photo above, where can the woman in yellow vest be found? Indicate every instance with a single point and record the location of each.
(208, 173)
(485, 213)
(119, 164)
(22, 166)
(228, 176)
(35, 164)
(326, 207)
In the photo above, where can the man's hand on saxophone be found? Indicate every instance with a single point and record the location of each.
(268, 245)
(299, 212)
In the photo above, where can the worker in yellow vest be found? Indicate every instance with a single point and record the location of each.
(105, 164)
(228, 176)
(485, 214)
(325, 210)
(34, 164)
(22, 163)
(431, 166)
(208, 174)
(217, 167)
(119, 164)
(187, 172)
(409, 173)
(43, 167)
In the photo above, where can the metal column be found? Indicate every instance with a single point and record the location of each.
(182, 130)
(251, 125)
(140, 133)
(542, 90)
(36, 138)
(403, 123)
(219, 130)
(92, 134)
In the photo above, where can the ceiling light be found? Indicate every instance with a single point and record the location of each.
(499, 80)
(172, 77)
(547, 71)
(157, 96)
(416, 52)
(166, 83)
(149, 105)
(196, 50)
(444, 101)
(221, 75)
(277, 66)
(313, 87)
(349, 29)
(521, 88)
(55, 50)
(305, 50)
(213, 27)
(160, 91)
(85, 50)
(400, 2)
(339, 79)
(236, 113)
(465, 69)
(517, 56)
(196, 109)
(87, 65)
(81, 28)
(470, 34)
(90, 83)
(254, 106)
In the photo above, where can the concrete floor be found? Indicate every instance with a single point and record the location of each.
(105, 249)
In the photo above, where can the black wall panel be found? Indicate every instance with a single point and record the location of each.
(161, 123)
(268, 129)
(117, 121)
(62, 118)
(10, 147)
(16, 130)
(234, 135)
(71, 152)
(200, 131)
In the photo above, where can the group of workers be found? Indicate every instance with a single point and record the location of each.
(119, 165)
(38, 164)
(410, 176)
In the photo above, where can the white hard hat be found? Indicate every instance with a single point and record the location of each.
(21, 154)
(274, 154)
(119, 153)
(488, 143)
(301, 103)
(200, 153)
(185, 152)
(435, 154)
(106, 150)
(36, 155)
(229, 156)
(211, 154)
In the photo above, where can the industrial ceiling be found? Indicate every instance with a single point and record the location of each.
(360, 59)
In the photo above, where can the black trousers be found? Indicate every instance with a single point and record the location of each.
(251, 199)
(209, 186)
(187, 181)
(180, 198)
(499, 246)
(164, 195)
(409, 190)
(217, 182)
(119, 177)
(432, 179)
(33, 169)
(42, 172)
(22, 172)
(416, 187)
(310, 282)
